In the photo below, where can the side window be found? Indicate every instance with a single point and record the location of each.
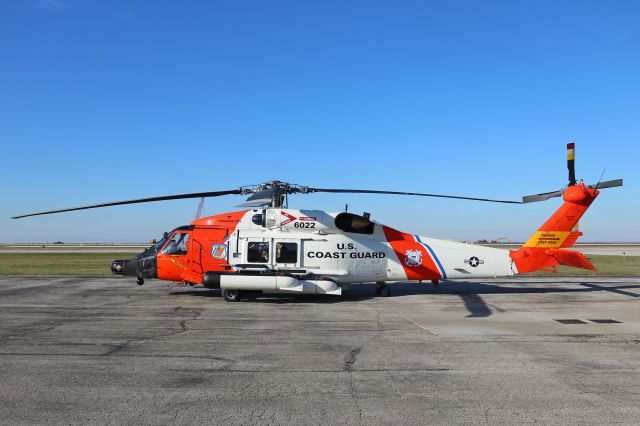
(177, 245)
(258, 252)
(286, 253)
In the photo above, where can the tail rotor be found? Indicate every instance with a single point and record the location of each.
(571, 155)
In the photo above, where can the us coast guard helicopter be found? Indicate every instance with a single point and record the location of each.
(274, 249)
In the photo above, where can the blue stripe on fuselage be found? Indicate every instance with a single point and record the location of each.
(433, 254)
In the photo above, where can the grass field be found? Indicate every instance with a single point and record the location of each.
(59, 263)
(100, 264)
(607, 265)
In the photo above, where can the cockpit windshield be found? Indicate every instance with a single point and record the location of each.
(178, 245)
(167, 235)
(157, 246)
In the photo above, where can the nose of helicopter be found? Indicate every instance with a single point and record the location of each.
(130, 268)
(117, 267)
(142, 266)
(127, 267)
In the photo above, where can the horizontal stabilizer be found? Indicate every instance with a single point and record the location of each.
(571, 258)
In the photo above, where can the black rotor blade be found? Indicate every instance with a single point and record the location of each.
(371, 191)
(139, 200)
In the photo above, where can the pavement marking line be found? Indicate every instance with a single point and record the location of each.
(418, 325)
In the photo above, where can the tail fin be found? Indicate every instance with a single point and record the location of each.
(561, 229)
(544, 248)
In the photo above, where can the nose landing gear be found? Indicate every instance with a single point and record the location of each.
(140, 281)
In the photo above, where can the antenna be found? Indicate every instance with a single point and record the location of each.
(601, 174)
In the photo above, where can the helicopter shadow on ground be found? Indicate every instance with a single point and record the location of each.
(474, 303)
(470, 293)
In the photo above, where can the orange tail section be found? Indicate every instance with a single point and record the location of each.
(544, 248)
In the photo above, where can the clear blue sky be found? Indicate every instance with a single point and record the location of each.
(102, 101)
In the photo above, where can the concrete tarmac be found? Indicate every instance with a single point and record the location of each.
(554, 350)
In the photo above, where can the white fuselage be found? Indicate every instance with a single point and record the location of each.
(379, 254)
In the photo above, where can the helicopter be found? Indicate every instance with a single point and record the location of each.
(272, 248)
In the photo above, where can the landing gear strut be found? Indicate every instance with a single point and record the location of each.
(140, 281)
(382, 289)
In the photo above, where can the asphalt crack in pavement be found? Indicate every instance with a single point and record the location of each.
(178, 311)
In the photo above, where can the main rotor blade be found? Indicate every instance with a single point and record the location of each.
(371, 191)
(139, 200)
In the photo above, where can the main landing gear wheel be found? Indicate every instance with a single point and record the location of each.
(140, 281)
(382, 290)
(231, 295)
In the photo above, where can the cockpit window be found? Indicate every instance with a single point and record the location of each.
(157, 246)
(177, 245)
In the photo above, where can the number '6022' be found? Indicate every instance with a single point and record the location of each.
(304, 224)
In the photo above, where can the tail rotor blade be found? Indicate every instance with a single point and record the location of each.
(607, 184)
(541, 197)
(548, 195)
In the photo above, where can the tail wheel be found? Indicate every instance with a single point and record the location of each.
(231, 295)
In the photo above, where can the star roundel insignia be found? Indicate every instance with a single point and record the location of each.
(473, 261)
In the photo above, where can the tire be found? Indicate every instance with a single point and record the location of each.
(231, 295)
(384, 291)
